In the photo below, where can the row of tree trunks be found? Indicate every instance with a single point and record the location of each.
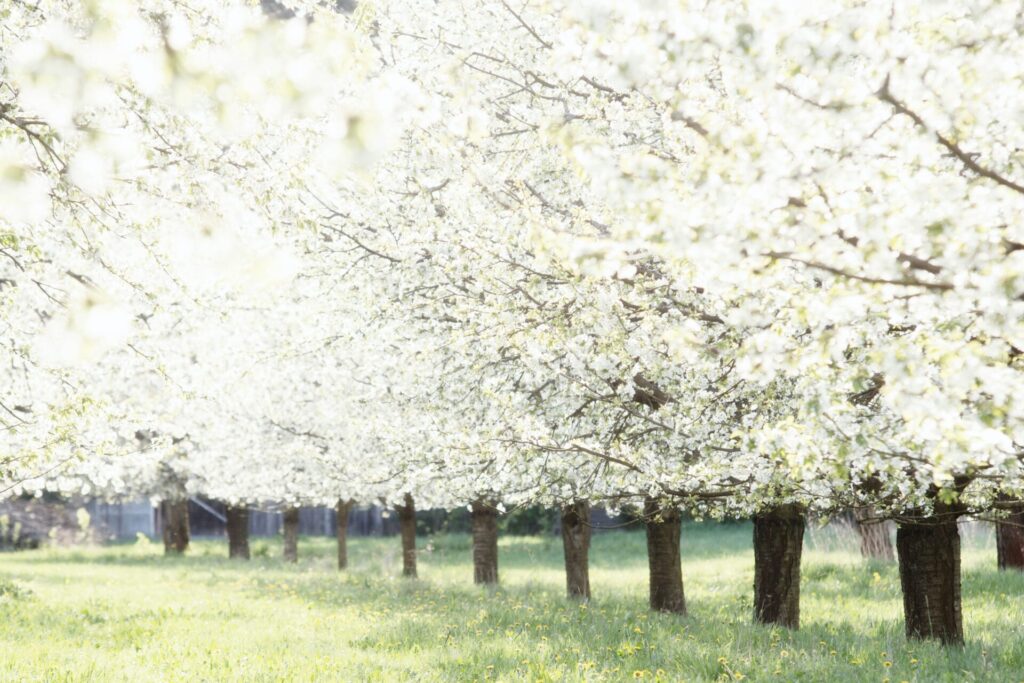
(407, 525)
(664, 525)
(484, 518)
(576, 546)
(875, 535)
(238, 531)
(778, 546)
(290, 517)
(928, 550)
(174, 517)
(341, 511)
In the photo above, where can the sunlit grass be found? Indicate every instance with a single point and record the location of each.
(125, 613)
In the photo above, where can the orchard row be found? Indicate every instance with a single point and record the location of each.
(744, 260)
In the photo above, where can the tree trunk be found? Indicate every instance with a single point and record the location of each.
(174, 515)
(238, 532)
(875, 539)
(341, 512)
(407, 525)
(1010, 540)
(291, 534)
(666, 575)
(929, 560)
(485, 542)
(778, 544)
(576, 544)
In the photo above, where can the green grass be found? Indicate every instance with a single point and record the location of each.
(125, 613)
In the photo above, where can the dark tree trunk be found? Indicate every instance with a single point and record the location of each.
(238, 532)
(875, 537)
(407, 525)
(778, 544)
(341, 512)
(576, 544)
(664, 525)
(929, 560)
(485, 542)
(174, 515)
(291, 534)
(1010, 539)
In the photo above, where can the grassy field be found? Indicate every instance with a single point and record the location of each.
(125, 613)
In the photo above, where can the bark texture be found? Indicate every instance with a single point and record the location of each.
(1010, 540)
(576, 544)
(341, 513)
(291, 534)
(407, 525)
(664, 524)
(875, 535)
(485, 542)
(929, 560)
(778, 545)
(174, 515)
(238, 531)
